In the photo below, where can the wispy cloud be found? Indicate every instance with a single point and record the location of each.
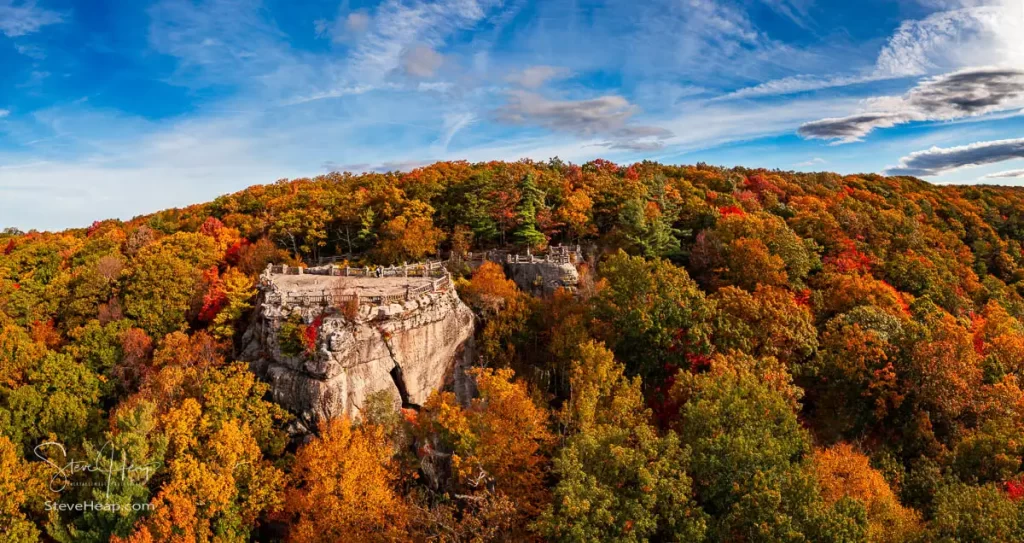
(706, 125)
(585, 117)
(1009, 174)
(26, 17)
(332, 93)
(797, 11)
(421, 61)
(797, 84)
(605, 116)
(938, 160)
(967, 33)
(218, 42)
(535, 77)
(452, 124)
(812, 162)
(383, 167)
(346, 26)
(399, 27)
(31, 51)
(966, 93)
(964, 33)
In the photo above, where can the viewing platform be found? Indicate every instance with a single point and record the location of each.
(334, 285)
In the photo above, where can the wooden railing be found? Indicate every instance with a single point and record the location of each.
(558, 254)
(424, 269)
(441, 281)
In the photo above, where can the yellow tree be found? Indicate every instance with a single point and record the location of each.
(19, 484)
(218, 428)
(342, 487)
(238, 290)
(575, 212)
(501, 438)
(945, 368)
(410, 236)
(843, 472)
(165, 278)
(512, 436)
(505, 310)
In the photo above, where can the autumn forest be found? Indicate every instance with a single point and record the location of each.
(748, 356)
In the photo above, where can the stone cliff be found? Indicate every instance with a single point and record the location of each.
(542, 275)
(406, 333)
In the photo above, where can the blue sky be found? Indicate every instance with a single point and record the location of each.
(113, 108)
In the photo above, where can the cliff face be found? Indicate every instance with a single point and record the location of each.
(542, 278)
(403, 343)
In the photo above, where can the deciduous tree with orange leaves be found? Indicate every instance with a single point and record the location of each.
(842, 472)
(500, 440)
(344, 487)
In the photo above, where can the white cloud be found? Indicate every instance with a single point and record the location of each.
(421, 61)
(222, 42)
(383, 167)
(434, 86)
(357, 22)
(332, 93)
(797, 11)
(812, 162)
(454, 122)
(939, 160)
(400, 27)
(585, 117)
(344, 27)
(796, 84)
(1008, 174)
(31, 51)
(126, 178)
(25, 17)
(970, 34)
(4, 113)
(965, 33)
(961, 94)
(535, 77)
(706, 125)
(605, 116)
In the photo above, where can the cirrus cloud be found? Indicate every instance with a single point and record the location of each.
(23, 18)
(536, 76)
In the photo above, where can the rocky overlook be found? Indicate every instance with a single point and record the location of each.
(540, 275)
(327, 337)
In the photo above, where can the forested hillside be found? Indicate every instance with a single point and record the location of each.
(750, 356)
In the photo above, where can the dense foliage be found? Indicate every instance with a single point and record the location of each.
(750, 356)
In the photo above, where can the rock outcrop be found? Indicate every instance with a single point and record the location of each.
(406, 336)
(542, 278)
(542, 275)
